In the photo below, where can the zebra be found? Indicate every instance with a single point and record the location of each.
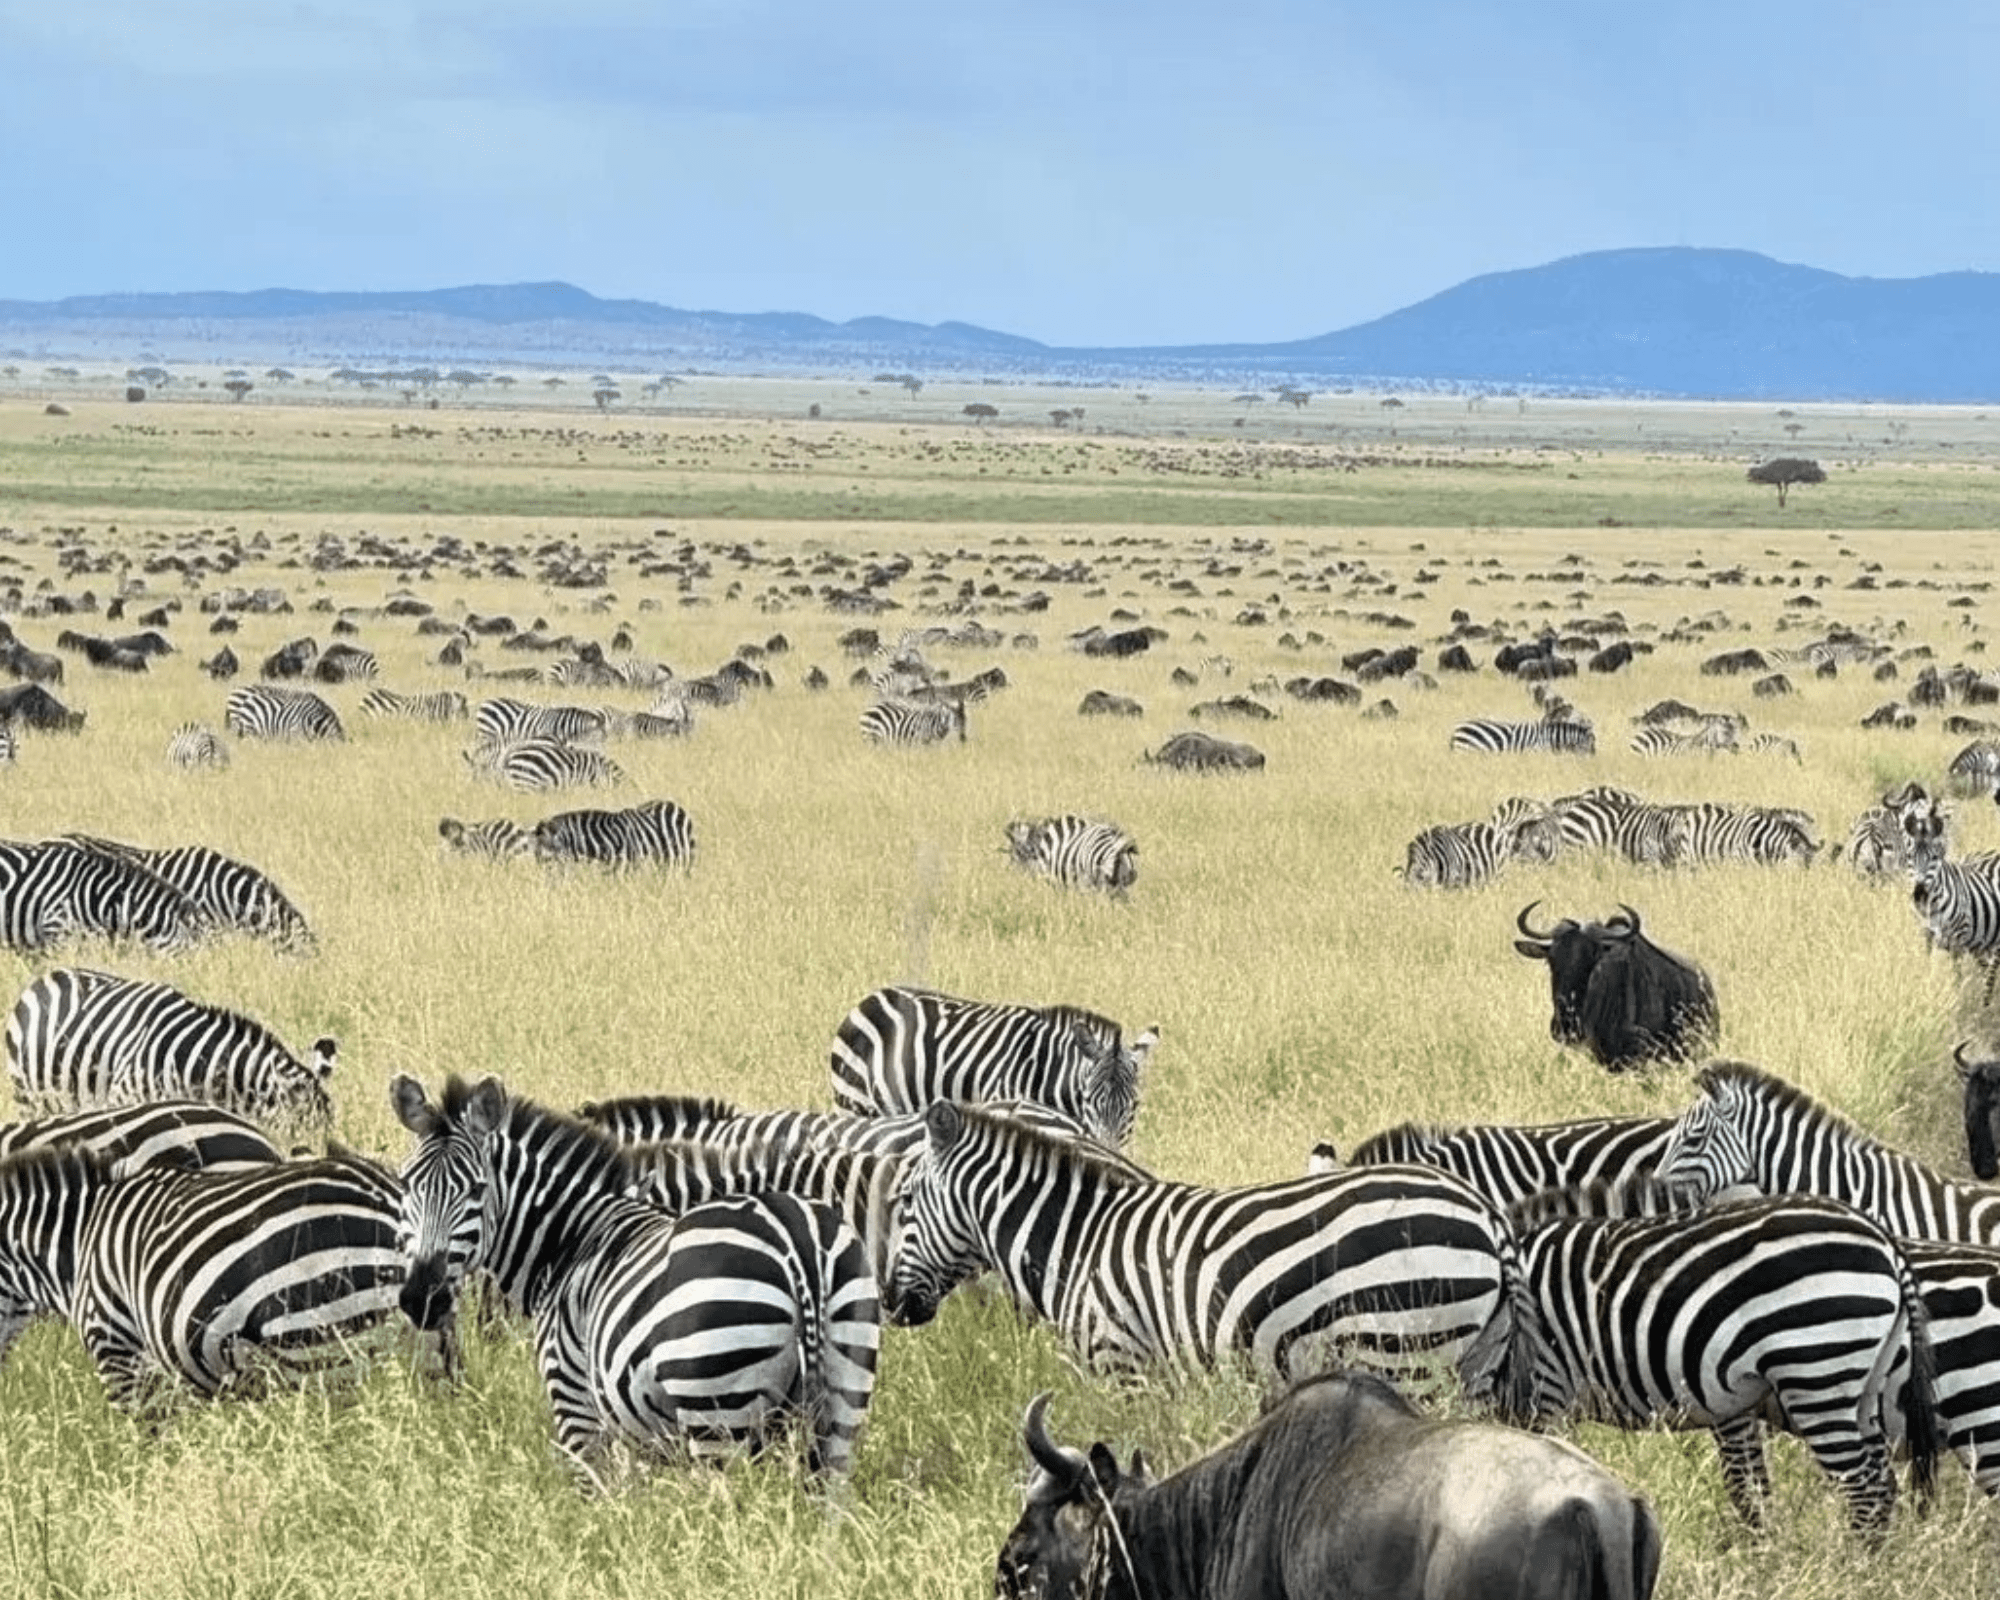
(659, 832)
(1634, 1307)
(1489, 736)
(1747, 1126)
(530, 765)
(1763, 834)
(229, 894)
(1076, 852)
(1461, 855)
(1710, 738)
(206, 1281)
(57, 889)
(441, 705)
(910, 722)
(190, 1134)
(79, 1037)
(500, 722)
(1960, 1286)
(1958, 901)
(1975, 769)
(9, 745)
(901, 1048)
(1878, 845)
(194, 744)
(271, 711)
(495, 840)
(1507, 1162)
(719, 1324)
(1401, 1266)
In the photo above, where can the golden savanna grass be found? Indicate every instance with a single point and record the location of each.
(1301, 990)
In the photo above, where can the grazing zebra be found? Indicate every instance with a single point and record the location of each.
(1466, 855)
(496, 840)
(1506, 1162)
(1656, 739)
(1633, 1307)
(1975, 769)
(910, 722)
(659, 832)
(1401, 1266)
(190, 1134)
(58, 889)
(78, 1037)
(1878, 845)
(499, 722)
(1489, 736)
(1749, 1127)
(1762, 834)
(441, 705)
(1958, 901)
(1076, 852)
(531, 765)
(901, 1049)
(194, 744)
(229, 894)
(717, 1326)
(270, 711)
(204, 1281)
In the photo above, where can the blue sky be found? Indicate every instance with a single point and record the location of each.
(1078, 171)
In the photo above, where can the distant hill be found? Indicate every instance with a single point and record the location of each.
(1724, 324)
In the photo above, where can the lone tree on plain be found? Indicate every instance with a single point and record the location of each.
(980, 411)
(604, 396)
(238, 387)
(1783, 471)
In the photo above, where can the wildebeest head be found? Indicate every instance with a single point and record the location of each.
(1981, 1080)
(1572, 952)
(1068, 1542)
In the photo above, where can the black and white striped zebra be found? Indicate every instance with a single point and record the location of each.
(493, 840)
(1507, 1162)
(439, 705)
(196, 745)
(1607, 818)
(1396, 1267)
(230, 895)
(1747, 1126)
(912, 722)
(532, 766)
(1960, 1286)
(716, 1327)
(502, 721)
(1879, 843)
(58, 889)
(1958, 902)
(1975, 769)
(903, 1048)
(1076, 852)
(1765, 835)
(1707, 740)
(1634, 1308)
(271, 711)
(657, 833)
(193, 1135)
(208, 1281)
(1465, 855)
(9, 745)
(1491, 736)
(78, 1037)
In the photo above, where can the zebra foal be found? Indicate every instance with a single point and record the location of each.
(913, 722)
(656, 833)
(195, 745)
(1076, 852)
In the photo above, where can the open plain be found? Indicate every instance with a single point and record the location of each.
(1301, 989)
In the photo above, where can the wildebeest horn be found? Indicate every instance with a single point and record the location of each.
(1521, 922)
(1958, 1055)
(1065, 1466)
(1631, 920)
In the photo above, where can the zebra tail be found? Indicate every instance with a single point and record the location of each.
(1498, 1366)
(1920, 1417)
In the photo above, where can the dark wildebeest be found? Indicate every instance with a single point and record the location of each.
(1982, 1113)
(1619, 995)
(31, 705)
(1195, 751)
(1341, 1488)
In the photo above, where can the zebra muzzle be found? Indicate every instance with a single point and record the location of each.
(426, 1298)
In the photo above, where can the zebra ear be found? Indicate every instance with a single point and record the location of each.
(1142, 1048)
(406, 1098)
(944, 1122)
(324, 1051)
(486, 1107)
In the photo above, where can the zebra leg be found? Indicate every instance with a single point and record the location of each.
(1990, 960)
(1745, 1473)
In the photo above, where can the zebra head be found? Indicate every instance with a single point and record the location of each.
(443, 1230)
(298, 1089)
(1710, 1149)
(934, 1246)
(1111, 1088)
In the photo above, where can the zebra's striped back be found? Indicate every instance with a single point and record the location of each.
(1457, 855)
(1710, 832)
(177, 1133)
(228, 894)
(503, 721)
(439, 705)
(902, 1049)
(58, 889)
(1749, 1127)
(531, 766)
(1507, 1163)
(270, 711)
(195, 744)
(1396, 1266)
(494, 840)
(912, 722)
(657, 833)
(79, 1037)
(1490, 736)
(1076, 852)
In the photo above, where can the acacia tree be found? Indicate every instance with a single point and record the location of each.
(1783, 471)
(238, 387)
(980, 411)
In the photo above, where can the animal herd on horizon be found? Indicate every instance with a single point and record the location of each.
(702, 1279)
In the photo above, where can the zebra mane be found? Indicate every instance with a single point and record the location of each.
(1403, 1136)
(544, 1128)
(1629, 1197)
(1788, 1099)
(1029, 1142)
(54, 1158)
(656, 1110)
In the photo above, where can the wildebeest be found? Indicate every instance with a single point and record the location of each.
(1194, 751)
(1611, 657)
(1981, 1080)
(1341, 1488)
(221, 665)
(31, 705)
(1618, 995)
(1103, 703)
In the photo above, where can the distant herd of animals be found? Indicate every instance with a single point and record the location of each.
(703, 1279)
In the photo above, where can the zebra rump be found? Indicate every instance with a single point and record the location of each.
(1076, 852)
(79, 1037)
(190, 1134)
(269, 711)
(912, 722)
(534, 765)
(658, 832)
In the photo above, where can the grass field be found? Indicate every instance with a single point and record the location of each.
(1301, 991)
